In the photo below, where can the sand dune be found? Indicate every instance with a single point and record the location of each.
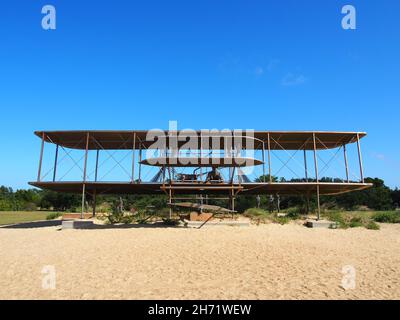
(257, 262)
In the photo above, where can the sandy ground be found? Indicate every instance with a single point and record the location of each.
(257, 262)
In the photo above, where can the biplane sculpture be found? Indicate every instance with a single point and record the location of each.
(205, 154)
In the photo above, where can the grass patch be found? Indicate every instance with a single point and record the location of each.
(372, 225)
(53, 215)
(343, 219)
(386, 217)
(114, 218)
(367, 219)
(281, 220)
(263, 216)
(338, 217)
(256, 213)
(293, 213)
(355, 224)
(13, 217)
(357, 221)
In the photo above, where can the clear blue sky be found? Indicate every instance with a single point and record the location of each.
(269, 65)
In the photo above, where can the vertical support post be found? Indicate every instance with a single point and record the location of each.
(360, 159)
(86, 156)
(346, 163)
(133, 157)
(97, 165)
(41, 158)
(163, 175)
(55, 164)
(263, 159)
(232, 202)
(318, 204)
(84, 175)
(169, 175)
(232, 156)
(316, 176)
(229, 150)
(269, 158)
(201, 155)
(170, 202)
(305, 165)
(140, 162)
(94, 203)
(233, 175)
(83, 199)
(170, 191)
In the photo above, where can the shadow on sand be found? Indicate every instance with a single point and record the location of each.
(55, 223)
(128, 226)
(33, 224)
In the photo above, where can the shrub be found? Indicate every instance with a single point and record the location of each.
(53, 215)
(118, 216)
(293, 213)
(263, 216)
(355, 221)
(256, 213)
(338, 217)
(114, 217)
(372, 226)
(281, 220)
(386, 216)
(5, 205)
(30, 206)
(355, 224)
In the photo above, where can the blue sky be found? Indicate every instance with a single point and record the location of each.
(267, 65)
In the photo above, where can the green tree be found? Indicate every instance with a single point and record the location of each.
(395, 194)
(265, 178)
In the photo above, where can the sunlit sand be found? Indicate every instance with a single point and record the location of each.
(257, 262)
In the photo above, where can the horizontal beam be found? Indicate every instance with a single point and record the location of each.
(112, 140)
(294, 188)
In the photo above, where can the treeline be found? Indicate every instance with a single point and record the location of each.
(379, 197)
(35, 199)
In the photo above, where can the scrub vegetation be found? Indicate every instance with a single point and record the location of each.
(350, 210)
